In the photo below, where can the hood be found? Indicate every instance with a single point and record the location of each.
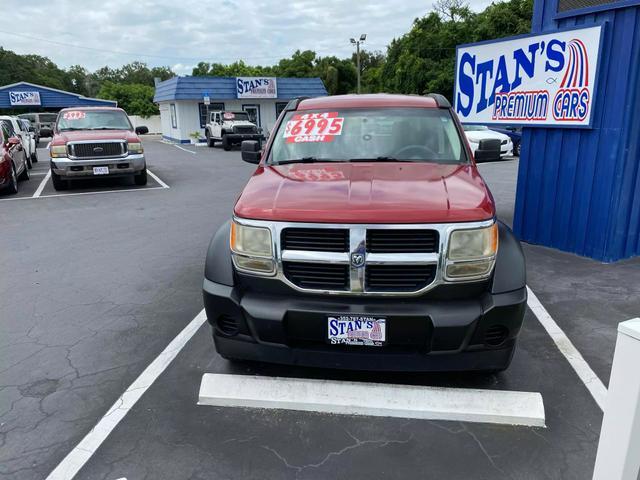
(477, 135)
(97, 135)
(375, 192)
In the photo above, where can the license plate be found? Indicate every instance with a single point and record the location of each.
(356, 330)
(101, 170)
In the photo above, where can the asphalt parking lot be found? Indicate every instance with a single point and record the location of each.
(98, 280)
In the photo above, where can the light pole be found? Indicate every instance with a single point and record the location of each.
(357, 43)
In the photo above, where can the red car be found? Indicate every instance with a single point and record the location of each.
(13, 165)
(366, 239)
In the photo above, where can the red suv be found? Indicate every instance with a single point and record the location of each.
(366, 239)
(13, 162)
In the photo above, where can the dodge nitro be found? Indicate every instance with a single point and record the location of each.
(366, 239)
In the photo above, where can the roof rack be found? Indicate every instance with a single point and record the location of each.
(441, 100)
(294, 102)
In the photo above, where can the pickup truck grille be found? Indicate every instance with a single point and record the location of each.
(402, 241)
(315, 239)
(317, 276)
(398, 278)
(97, 149)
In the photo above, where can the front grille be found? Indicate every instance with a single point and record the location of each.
(402, 241)
(315, 239)
(244, 130)
(398, 278)
(318, 276)
(98, 149)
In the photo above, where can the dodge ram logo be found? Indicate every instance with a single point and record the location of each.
(357, 259)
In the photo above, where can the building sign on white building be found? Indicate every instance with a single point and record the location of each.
(535, 80)
(17, 99)
(256, 87)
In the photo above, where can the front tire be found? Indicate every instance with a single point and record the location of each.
(12, 188)
(225, 143)
(34, 156)
(58, 182)
(210, 141)
(141, 178)
(27, 160)
(516, 150)
(25, 173)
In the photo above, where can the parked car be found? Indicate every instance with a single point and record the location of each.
(514, 133)
(30, 130)
(366, 239)
(230, 128)
(483, 143)
(13, 166)
(96, 142)
(17, 129)
(43, 123)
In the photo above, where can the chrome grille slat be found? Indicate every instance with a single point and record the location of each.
(87, 150)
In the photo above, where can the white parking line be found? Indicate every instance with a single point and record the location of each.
(82, 452)
(373, 399)
(42, 184)
(184, 149)
(587, 375)
(155, 177)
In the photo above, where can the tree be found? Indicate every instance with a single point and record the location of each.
(135, 99)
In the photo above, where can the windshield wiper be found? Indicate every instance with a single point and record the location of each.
(303, 160)
(378, 159)
(66, 129)
(108, 128)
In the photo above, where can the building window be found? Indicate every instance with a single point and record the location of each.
(280, 106)
(253, 111)
(214, 107)
(174, 118)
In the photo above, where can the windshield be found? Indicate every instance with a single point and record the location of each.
(48, 117)
(93, 120)
(382, 134)
(235, 116)
(474, 128)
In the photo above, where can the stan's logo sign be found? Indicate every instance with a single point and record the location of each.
(24, 98)
(541, 80)
(256, 87)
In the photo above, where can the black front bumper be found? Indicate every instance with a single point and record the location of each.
(448, 332)
(240, 137)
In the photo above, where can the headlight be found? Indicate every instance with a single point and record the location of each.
(471, 253)
(58, 151)
(135, 147)
(252, 249)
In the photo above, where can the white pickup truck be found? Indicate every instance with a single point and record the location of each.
(231, 128)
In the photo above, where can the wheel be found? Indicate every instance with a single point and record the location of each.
(210, 141)
(25, 173)
(27, 160)
(34, 156)
(516, 150)
(58, 182)
(12, 188)
(141, 178)
(225, 143)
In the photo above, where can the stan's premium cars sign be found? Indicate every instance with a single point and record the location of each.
(24, 98)
(256, 87)
(535, 80)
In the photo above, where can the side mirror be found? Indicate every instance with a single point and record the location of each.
(251, 152)
(13, 141)
(142, 130)
(32, 129)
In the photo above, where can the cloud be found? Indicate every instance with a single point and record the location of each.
(180, 34)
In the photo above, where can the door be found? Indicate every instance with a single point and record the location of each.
(13, 150)
(254, 113)
(216, 127)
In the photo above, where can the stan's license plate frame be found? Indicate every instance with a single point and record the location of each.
(356, 330)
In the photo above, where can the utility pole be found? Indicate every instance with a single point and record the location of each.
(357, 43)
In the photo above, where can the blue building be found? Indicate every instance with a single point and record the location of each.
(579, 188)
(185, 101)
(26, 97)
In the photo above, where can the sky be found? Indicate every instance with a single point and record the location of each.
(180, 33)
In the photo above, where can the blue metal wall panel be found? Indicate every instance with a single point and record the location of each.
(224, 88)
(51, 98)
(579, 189)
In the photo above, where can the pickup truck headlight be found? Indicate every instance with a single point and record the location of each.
(58, 151)
(252, 249)
(135, 147)
(471, 253)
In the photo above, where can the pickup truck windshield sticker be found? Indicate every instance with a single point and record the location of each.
(313, 127)
(228, 115)
(74, 115)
